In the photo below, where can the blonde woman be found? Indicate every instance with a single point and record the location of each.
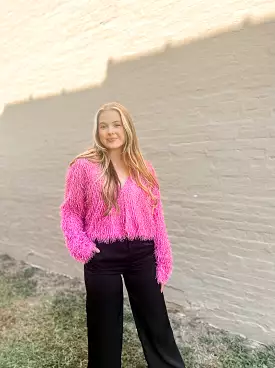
(113, 222)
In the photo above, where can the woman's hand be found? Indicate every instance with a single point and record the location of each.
(162, 287)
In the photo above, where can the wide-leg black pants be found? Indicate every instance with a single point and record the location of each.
(135, 261)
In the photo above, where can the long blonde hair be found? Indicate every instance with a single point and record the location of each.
(131, 155)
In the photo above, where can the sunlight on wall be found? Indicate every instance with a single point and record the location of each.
(50, 46)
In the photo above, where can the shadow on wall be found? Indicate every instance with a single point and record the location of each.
(196, 107)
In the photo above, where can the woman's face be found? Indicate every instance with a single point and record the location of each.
(110, 130)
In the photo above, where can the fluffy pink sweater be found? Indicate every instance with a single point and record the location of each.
(82, 219)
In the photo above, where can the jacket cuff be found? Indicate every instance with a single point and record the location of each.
(81, 248)
(164, 272)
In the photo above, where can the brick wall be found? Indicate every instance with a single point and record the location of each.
(204, 111)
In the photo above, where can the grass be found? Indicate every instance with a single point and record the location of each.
(43, 324)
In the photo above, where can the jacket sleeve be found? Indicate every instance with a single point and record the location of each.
(72, 212)
(163, 251)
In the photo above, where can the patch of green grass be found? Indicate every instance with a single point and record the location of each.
(53, 335)
(238, 354)
(49, 335)
(17, 286)
(233, 351)
(189, 354)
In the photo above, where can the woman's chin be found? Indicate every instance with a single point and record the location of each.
(114, 146)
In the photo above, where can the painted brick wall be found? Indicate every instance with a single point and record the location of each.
(201, 87)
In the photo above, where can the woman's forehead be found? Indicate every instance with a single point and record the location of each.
(109, 116)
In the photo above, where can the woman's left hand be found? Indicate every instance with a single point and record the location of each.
(162, 287)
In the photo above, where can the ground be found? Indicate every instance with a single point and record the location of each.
(42, 324)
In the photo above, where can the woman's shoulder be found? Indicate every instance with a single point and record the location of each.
(83, 166)
(83, 163)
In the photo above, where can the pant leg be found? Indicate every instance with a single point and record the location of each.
(149, 309)
(104, 308)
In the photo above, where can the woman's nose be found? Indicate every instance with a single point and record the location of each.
(110, 130)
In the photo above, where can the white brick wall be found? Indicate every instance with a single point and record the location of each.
(204, 111)
(48, 46)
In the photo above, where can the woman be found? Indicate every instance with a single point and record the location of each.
(113, 222)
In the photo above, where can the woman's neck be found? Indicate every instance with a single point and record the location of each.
(116, 158)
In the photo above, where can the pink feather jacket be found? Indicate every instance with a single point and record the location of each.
(82, 220)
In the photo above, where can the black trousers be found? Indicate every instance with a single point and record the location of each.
(134, 260)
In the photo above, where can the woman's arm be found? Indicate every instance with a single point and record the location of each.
(72, 212)
(163, 249)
